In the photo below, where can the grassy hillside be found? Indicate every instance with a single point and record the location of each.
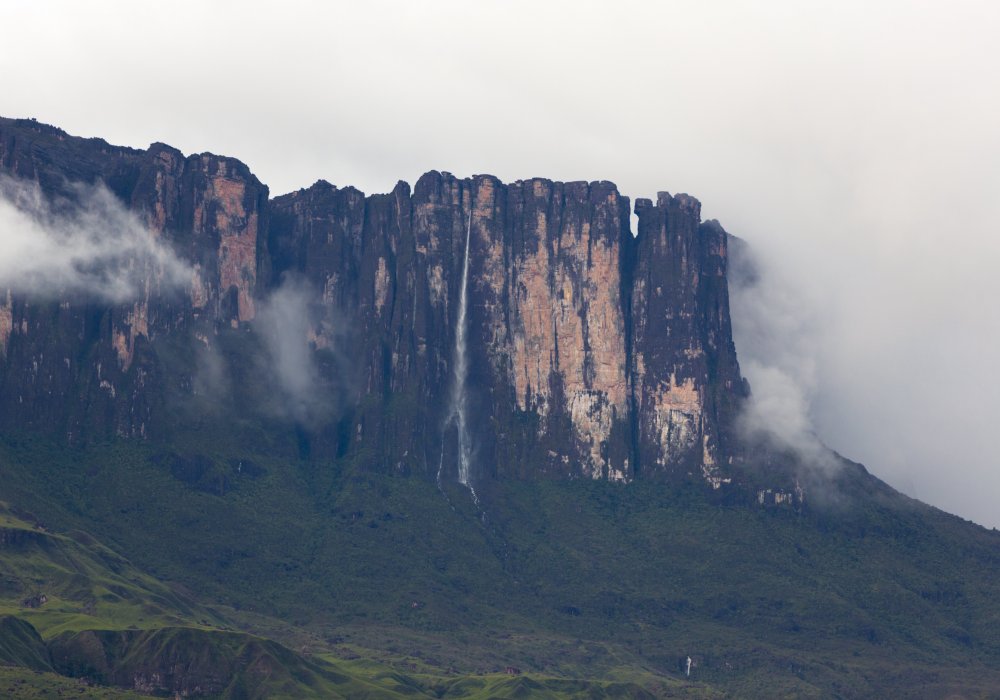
(76, 619)
(26, 684)
(69, 582)
(390, 577)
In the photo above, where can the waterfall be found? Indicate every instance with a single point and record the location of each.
(458, 398)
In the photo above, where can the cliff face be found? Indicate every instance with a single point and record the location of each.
(86, 367)
(591, 353)
(685, 378)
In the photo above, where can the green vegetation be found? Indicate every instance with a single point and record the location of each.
(386, 586)
(20, 645)
(26, 684)
(68, 582)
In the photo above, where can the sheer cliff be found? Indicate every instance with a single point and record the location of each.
(269, 402)
(593, 351)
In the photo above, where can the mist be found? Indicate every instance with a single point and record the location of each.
(776, 335)
(853, 145)
(285, 321)
(90, 245)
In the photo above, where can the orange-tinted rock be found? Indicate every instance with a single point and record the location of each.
(684, 376)
(209, 209)
(591, 353)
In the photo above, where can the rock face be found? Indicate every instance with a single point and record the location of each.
(685, 378)
(87, 367)
(591, 352)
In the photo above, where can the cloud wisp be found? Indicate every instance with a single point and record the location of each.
(286, 323)
(774, 328)
(90, 246)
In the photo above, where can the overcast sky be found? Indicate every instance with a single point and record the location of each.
(854, 145)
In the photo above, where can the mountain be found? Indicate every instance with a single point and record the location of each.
(590, 351)
(406, 443)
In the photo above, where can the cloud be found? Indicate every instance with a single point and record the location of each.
(285, 323)
(775, 331)
(89, 244)
(211, 381)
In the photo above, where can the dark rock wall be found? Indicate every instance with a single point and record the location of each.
(592, 353)
(83, 366)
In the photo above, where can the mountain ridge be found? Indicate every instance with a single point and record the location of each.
(593, 351)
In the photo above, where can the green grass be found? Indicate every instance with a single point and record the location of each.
(25, 684)
(84, 584)
(564, 580)
(21, 645)
(97, 599)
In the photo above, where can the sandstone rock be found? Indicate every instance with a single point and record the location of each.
(592, 352)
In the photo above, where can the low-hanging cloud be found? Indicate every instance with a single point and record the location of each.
(285, 321)
(88, 244)
(775, 332)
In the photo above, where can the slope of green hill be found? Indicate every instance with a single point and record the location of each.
(868, 593)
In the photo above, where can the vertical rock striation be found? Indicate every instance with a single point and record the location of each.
(591, 352)
(684, 378)
(83, 365)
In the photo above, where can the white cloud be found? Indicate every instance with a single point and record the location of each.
(89, 245)
(284, 322)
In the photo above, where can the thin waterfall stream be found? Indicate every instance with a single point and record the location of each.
(458, 413)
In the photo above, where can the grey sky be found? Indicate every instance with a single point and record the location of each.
(855, 145)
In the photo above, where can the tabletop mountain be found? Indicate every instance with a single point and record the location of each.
(466, 429)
